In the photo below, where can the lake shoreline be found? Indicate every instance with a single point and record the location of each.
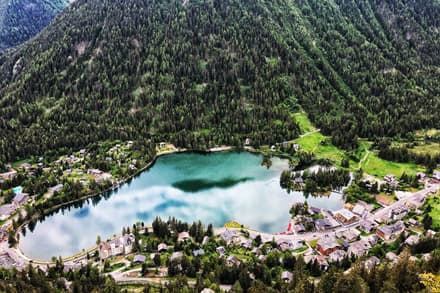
(115, 187)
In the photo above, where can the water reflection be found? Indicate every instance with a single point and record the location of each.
(213, 188)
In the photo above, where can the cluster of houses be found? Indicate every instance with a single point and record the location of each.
(118, 246)
(18, 201)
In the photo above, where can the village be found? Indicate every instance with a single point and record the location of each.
(320, 237)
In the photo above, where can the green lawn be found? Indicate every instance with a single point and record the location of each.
(434, 202)
(431, 148)
(322, 149)
(18, 163)
(378, 167)
(304, 123)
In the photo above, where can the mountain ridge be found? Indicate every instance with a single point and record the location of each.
(208, 73)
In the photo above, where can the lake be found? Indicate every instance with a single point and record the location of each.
(213, 188)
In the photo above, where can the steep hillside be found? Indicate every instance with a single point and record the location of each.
(22, 19)
(201, 73)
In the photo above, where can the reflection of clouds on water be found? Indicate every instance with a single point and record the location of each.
(260, 204)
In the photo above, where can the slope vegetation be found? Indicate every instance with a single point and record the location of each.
(201, 73)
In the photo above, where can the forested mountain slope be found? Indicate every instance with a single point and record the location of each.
(203, 72)
(22, 19)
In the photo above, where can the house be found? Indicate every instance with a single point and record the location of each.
(176, 255)
(20, 199)
(198, 252)
(358, 248)
(220, 250)
(6, 210)
(391, 256)
(337, 255)
(436, 175)
(8, 175)
(325, 246)
(412, 240)
(246, 243)
(232, 260)
(359, 210)
(183, 236)
(371, 263)
(367, 226)
(298, 181)
(56, 188)
(322, 224)
(286, 276)
(350, 234)
(82, 151)
(162, 144)
(398, 212)
(139, 258)
(299, 228)
(372, 239)
(247, 141)
(314, 211)
(229, 235)
(94, 172)
(391, 180)
(345, 216)
(205, 240)
(413, 222)
(323, 264)
(390, 232)
(421, 176)
(25, 165)
(162, 247)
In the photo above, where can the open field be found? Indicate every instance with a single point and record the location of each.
(378, 167)
(304, 123)
(430, 148)
(434, 202)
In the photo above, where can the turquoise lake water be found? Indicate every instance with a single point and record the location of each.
(213, 188)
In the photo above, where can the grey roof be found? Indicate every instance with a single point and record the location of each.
(139, 258)
(198, 252)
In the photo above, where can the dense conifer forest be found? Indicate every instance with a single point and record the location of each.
(20, 20)
(204, 73)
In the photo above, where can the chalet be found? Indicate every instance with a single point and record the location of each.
(117, 246)
(8, 175)
(299, 228)
(20, 199)
(314, 211)
(391, 180)
(25, 165)
(436, 175)
(345, 216)
(337, 255)
(162, 144)
(220, 250)
(183, 236)
(358, 248)
(286, 276)
(298, 181)
(198, 252)
(359, 209)
(176, 255)
(371, 263)
(326, 246)
(229, 235)
(367, 226)
(162, 247)
(322, 224)
(56, 188)
(413, 222)
(139, 258)
(390, 232)
(372, 239)
(246, 243)
(421, 176)
(95, 172)
(398, 213)
(391, 256)
(323, 264)
(247, 141)
(412, 240)
(232, 261)
(82, 151)
(6, 210)
(349, 235)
